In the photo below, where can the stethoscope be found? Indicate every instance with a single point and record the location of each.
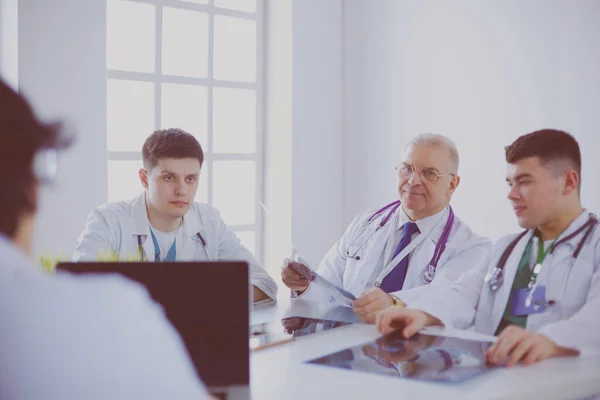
(429, 272)
(496, 279)
(141, 248)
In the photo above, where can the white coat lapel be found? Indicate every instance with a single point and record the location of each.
(421, 256)
(189, 247)
(419, 260)
(366, 269)
(358, 245)
(391, 241)
(138, 218)
(148, 248)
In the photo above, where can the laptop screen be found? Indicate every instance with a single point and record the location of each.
(207, 302)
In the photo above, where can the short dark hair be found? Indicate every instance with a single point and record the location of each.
(170, 143)
(547, 144)
(22, 135)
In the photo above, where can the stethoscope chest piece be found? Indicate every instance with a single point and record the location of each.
(495, 279)
(429, 274)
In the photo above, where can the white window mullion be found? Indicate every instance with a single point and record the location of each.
(184, 80)
(125, 155)
(208, 8)
(260, 125)
(158, 68)
(235, 95)
(209, 118)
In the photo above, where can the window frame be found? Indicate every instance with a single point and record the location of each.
(157, 79)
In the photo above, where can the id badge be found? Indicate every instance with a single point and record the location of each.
(521, 307)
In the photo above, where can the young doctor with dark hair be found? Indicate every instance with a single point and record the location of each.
(538, 290)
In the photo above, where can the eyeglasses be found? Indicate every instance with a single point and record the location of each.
(428, 174)
(45, 165)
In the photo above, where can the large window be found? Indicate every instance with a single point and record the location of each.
(195, 65)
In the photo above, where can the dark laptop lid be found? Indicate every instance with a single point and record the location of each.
(208, 303)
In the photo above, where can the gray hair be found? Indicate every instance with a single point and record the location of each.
(434, 139)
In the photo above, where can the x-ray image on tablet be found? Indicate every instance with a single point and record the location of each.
(423, 357)
(278, 332)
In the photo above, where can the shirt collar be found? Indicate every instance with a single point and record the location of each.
(424, 224)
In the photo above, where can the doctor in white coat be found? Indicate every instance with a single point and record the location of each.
(396, 255)
(65, 337)
(538, 290)
(164, 223)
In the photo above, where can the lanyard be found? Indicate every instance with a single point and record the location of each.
(541, 255)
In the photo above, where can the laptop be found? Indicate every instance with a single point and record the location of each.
(208, 303)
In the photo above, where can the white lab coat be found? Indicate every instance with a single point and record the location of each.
(574, 284)
(85, 338)
(114, 228)
(463, 251)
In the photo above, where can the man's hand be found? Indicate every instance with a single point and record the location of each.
(410, 320)
(290, 325)
(523, 347)
(370, 302)
(257, 294)
(296, 276)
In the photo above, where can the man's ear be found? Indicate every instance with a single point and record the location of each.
(571, 178)
(454, 182)
(143, 174)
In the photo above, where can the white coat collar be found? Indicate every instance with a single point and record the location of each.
(425, 225)
(573, 226)
(192, 221)
(139, 216)
(14, 260)
(576, 224)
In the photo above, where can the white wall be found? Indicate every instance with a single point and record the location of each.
(317, 174)
(62, 72)
(366, 75)
(480, 72)
(277, 190)
(9, 67)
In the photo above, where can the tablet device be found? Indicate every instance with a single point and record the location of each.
(422, 357)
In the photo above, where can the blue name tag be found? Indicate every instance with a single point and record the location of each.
(522, 306)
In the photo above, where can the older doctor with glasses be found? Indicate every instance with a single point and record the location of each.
(399, 252)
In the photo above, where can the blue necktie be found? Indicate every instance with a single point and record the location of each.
(395, 279)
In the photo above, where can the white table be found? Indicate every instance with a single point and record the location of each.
(280, 372)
